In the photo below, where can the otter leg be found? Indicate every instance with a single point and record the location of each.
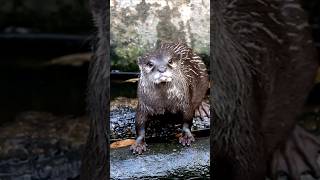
(186, 137)
(297, 156)
(140, 145)
(203, 110)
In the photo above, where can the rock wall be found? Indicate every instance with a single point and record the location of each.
(137, 25)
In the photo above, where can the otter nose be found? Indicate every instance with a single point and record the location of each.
(162, 69)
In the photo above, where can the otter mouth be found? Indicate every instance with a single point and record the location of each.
(163, 79)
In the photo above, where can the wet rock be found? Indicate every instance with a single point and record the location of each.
(165, 160)
(39, 145)
(122, 125)
(42, 146)
(137, 25)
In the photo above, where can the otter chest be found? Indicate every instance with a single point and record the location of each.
(169, 100)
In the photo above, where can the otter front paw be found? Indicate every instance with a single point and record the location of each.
(186, 139)
(138, 148)
(298, 156)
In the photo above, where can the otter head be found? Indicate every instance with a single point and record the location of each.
(159, 66)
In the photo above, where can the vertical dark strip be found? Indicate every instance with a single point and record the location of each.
(211, 88)
(96, 159)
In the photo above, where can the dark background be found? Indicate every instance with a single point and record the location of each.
(44, 51)
(32, 34)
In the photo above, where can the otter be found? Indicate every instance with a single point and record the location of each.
(263, 66)
(173, 79)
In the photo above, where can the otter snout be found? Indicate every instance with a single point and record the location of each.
(162, 76)
(162, 69)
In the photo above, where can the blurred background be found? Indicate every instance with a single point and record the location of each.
(45, 51)
(44, 55)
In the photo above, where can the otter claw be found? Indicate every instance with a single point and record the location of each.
(138, 148)
(186, 140)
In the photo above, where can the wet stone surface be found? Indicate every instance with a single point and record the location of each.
(122, 125)
(42, 146)
(163, 160)
(39, 145)
(122, 122)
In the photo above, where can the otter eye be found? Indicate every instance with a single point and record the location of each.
(170, 61)
(150, 64)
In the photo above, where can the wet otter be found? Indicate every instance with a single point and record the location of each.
(263, 67)
(173, 79)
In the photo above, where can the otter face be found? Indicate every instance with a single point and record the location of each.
(159, 67)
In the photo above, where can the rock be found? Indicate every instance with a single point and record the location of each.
(137, 25)
(163, 160)
(122, 125)
(39, 145)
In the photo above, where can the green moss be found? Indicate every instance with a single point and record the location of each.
(125, 57)
(204, 50)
